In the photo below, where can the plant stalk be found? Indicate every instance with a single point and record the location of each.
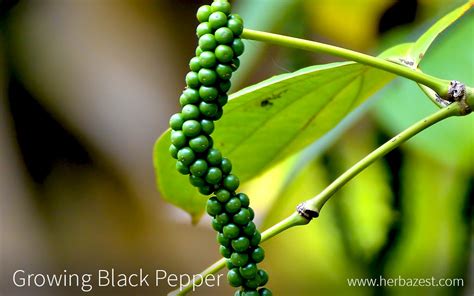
(440, 86)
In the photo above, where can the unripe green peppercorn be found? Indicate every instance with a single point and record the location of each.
(214, 175)
(234, 278)
(186, 156)
(225, 85)
(240, 244)
(199, 168)
(199, 144)
(236, 26)
(222, 100)
(207, 127)
(217, 19)
(242, 217)
(213, 207)
(208, 109)
(176, 121)
(224, 35)
(249, 229)
(235, 16)
(192, 79)
(173, 151)
(196, 181)
(182, 168)
(262, 274)
(235, 64)
(248, 271)
(244, 199)
(208, 93)
(224, 53)
(205, 190)
(191, 128)
(207, 59)
(190, 112)
(189, 96)
(194, 64)
(203, 29)
(198, 51)
(223, 195)
(218, 115)
(229, 265)
(231, 231)
(239, 259)
(224, 71)
(216, 225)
(252, 213)
(238, 46)
(250, 293)
(178, 139)
(203, 13)
(252, 283)
(207, 42)
(207, 77)
(265, 292)
(256, 238)
(233, 205)
(258, 255)
(225, 252)
(223, 218)
(222, 240)
(231, 182)
(226, 167)
(214, 157)
(222, 6)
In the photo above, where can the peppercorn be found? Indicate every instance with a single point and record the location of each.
(202, 102)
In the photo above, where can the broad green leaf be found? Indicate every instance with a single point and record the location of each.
(411, 54)
(173, 186)
(419, 48)
(273, 119)
(451, 141)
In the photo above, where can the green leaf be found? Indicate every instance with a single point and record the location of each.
(402, 104)
(173, 186)
(411, 54)
(419, 48)
(273, 119)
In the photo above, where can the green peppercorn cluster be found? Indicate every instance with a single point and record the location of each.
(202, 102)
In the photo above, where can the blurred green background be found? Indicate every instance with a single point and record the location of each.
(87, 86)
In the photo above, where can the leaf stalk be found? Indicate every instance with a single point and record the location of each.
(440, 86)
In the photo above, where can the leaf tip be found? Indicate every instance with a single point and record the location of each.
(195, 218)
